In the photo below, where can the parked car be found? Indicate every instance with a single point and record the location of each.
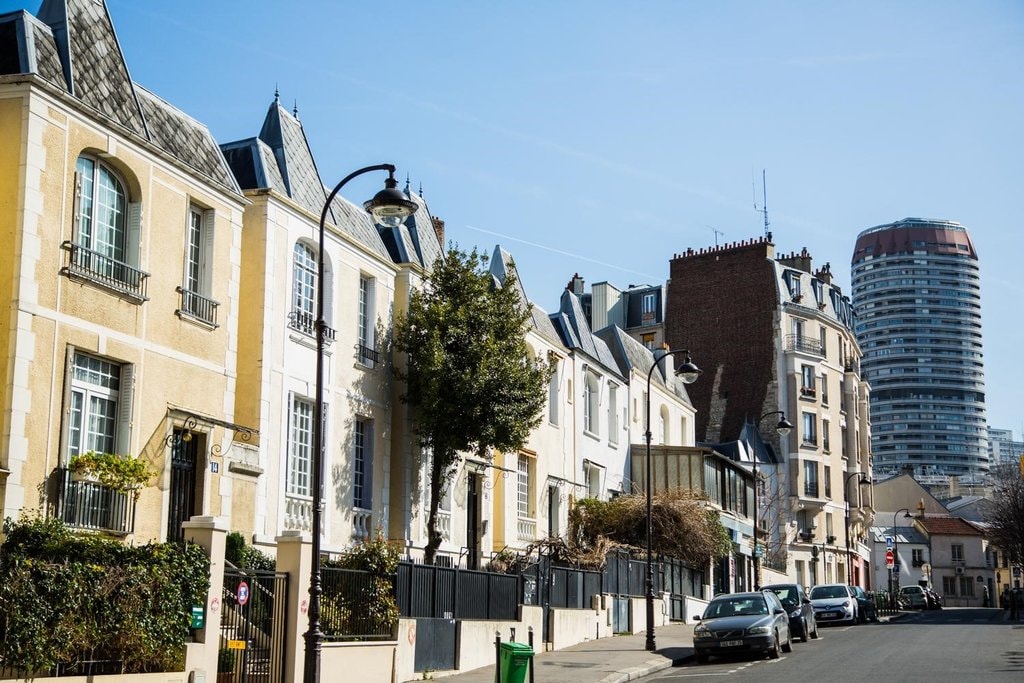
(866, 610)
(833, 602)
(742, 623)
(801, 613)
(915, 597)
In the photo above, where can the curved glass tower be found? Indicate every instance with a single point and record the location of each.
(917, 297)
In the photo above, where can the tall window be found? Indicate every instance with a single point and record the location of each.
(967, 586)
(300, 448)
(647, 308)
(102, 213)
(811, 478)
(825, 442)
(362, 464)
(94, 396)
(613, 413)
(828, 485)
(304, 271)
(647, 340)
(590, 403)
(917, 557)
(367, 352)
(807, 380)
(949, 585)
(810, 430)
(523, 486)
(553, 396)
(197, 286)
(957, 549)
(824, 389)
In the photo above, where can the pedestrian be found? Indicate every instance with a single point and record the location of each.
(984, 595)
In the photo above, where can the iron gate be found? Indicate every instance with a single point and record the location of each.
(253, 625)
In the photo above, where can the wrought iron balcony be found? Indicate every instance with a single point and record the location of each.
(86, 265)
(197, 306)
(368, 356)
(811, 489)
(798, 342)
(91, 505)
(306, 324)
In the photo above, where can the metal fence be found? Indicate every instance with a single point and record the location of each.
(429, 591)
(345, 612)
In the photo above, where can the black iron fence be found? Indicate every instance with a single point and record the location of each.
(345, 605)
(92, 266)
(91, 505)
(253, 625)
(429, 591)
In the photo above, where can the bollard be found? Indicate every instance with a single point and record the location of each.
(497, 656)
(513, 638)
(529, 641)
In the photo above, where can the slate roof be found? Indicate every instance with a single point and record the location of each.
(903, 534)
(501, 264)
(629, 353)
(571, 325)
(71, 45)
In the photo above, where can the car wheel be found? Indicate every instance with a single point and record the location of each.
(804, 631)
(774, 652)
(787, 646)
(702, 658)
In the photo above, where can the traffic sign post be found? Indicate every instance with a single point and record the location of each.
(243, 593)
(890, 559)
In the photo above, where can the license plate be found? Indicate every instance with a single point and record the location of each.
(829, 615)
(730, 643)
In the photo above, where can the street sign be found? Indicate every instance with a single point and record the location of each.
(243, 593)
(896, 568)
(888, 542)
(890, 559)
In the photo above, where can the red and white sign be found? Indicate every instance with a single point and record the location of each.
(890, 559)
(243, 593)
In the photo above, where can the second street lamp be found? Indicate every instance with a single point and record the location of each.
(688, 372)
(389, 207)
(863, 481)
(894, 573)
(782, 428)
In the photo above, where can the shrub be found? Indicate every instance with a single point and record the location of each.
(62, 594)
(363, 608)
(119, 472)
(245, 556)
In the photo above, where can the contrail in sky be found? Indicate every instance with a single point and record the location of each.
(563, 253)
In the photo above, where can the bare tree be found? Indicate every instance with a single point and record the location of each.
(1006, 516)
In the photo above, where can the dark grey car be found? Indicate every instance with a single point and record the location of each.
(739, 623)
(798, 607)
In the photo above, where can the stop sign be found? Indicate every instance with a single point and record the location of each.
(890, 559)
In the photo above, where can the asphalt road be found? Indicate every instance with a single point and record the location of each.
(953, 644)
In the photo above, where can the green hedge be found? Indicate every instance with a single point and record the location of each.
(63, 594)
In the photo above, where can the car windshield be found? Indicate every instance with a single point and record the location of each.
(819, 592)
(787, 596)
(732, 607)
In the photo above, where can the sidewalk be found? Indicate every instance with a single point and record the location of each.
(608, 660)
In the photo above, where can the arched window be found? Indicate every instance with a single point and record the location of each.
(304, 273)
(102, 212)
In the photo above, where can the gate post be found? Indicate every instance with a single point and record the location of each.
(211, 534)
(295, 557)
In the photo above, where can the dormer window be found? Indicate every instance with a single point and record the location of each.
(793, 283)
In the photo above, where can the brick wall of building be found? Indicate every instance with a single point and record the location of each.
(721, 304)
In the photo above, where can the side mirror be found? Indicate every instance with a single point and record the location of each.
(696, 617)
(779, 610)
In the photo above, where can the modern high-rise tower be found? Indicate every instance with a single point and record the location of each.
(917, 297)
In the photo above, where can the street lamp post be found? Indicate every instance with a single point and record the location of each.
(895, 576)
(688, 373)
(863, 481)
(782, 428)
(388, 207)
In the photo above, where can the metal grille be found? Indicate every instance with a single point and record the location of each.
(86, 264)
(253, 625)
(182, 492)
(195, 305)
(91, 505)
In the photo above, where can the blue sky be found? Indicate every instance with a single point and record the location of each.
(602, 137)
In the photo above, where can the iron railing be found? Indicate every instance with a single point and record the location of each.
(798, 342)
(368, 356)
(348, 595)
(197, 306)
(306, 324)
(429, 591)
(91, 266)
(91, 505)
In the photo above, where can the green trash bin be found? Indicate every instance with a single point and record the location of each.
(515, 662)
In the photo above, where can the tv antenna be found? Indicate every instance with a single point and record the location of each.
(764, 201)
(717, 232)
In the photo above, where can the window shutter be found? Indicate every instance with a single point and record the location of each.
(368, 451)
(133, 244)
(65, 422)
(76, 209)
(206, 254)
(289, 472)
(123, 435)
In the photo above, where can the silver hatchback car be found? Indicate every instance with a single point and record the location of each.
(737, 623)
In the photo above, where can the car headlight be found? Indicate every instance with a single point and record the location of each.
(755, 630)
(846, 603)
(701, 631)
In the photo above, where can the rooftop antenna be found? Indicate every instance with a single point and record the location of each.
(764, 202)
(717, 232)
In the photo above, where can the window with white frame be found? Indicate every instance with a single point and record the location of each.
(523, 506)
(824, 389)
(648, 308)
(367, 352)
(825, 440)
(300, 447)
(99, 407)
(591, 394)
(304, 274)
(593, 481)
(809, 434)
(957, 550)
(663, 426)
(613, 413)
(553, 395)
(811, 478)
(807, 380)
(196, 289)
(362, 464)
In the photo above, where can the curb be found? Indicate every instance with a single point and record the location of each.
(650, 667)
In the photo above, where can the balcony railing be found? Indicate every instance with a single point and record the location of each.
(811, 489)
(298, 513)
(306, 324)
(443, 524)
(362, 523)
(91, 505)
(368, 356)
(798, 342)
(526, 529)
(197, 306)
(808, 392)
(86, 265)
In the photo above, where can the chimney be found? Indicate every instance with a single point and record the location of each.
(801, 261)
(825, 274)
(438, 229)
(576, 285)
